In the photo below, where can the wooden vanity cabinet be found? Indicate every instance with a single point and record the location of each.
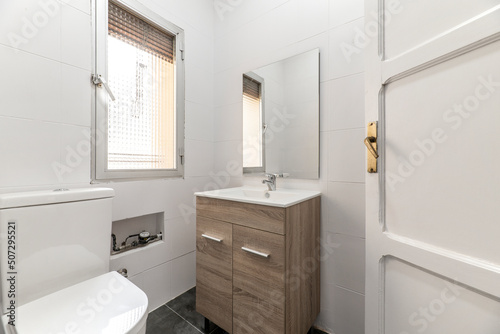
(214, 271)
(257, 267)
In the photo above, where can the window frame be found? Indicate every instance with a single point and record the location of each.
(100, 96)
(261, 81)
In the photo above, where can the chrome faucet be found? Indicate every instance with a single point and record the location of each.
(270, 181)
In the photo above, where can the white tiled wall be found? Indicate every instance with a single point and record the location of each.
(45, 116)
(258, 32)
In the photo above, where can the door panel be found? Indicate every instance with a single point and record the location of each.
(434, 305)
(441, 126)
(412, 23)
(432, 212)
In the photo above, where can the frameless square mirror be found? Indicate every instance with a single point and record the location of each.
(281, 117)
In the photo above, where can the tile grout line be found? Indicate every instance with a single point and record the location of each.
(183, 318)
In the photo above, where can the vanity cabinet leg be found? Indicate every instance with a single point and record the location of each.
(207, 325)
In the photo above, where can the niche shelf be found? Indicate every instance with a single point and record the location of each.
(152, 223)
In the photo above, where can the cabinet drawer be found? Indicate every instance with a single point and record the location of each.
(258, 281)
(214, 271)
(266, 218)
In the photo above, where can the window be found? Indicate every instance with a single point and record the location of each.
(253, 124)
(139, 112)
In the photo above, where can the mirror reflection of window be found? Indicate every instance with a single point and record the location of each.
(285, 139)
(253, 146)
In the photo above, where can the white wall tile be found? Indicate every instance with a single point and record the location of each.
(197, 13)
(180, 200)
(32, 26)
(342, 11)
(183, 235)
(257, 38)
(199, 122)
(231, 15)
(346, 208)
(199, 85)
(282, 33)
(83, 5)
(76, 96)
(229, 114)
(347, 108)
(343, 311)
(348, 311)
(199, 158)
(347, 156)
(75, 38)
(140, 260)
(228, 87)
(312, 18)
(227, 156)
(346, 265)
(321, 42)
(324, 205)
(323, 156)
(183, 273)
(231, 49)
(75, 154)
(173, 197)
(133, 199)
(156, 283)
(346, 49)
(325, 112)
(164, 10)
(199, 49)
(31, 90)
(29, 151)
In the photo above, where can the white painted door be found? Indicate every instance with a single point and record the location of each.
(433, 209)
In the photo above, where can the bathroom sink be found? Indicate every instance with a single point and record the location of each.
(279, 198)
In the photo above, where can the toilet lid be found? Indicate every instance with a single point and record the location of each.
(107, 304)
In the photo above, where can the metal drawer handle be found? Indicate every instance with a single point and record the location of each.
(255, 252)
(211, 238)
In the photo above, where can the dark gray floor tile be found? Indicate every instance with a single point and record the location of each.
(185, 306)
(218, 330)
(165, 321)
(179, 316)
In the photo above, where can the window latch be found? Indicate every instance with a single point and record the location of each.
(99, 81)
(181, 155)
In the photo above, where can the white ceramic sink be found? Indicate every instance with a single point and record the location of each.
(279, 198)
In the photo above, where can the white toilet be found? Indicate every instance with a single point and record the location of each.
(60, 269)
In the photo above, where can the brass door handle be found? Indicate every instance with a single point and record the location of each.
(372, 146)
(369, 146)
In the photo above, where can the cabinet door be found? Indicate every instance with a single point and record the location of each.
(258, 281)
(214, 271)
